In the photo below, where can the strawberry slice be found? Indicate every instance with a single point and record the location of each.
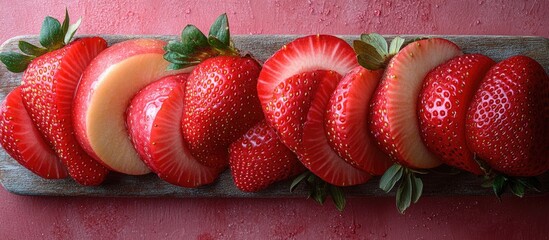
(48, 88)
(259, 158)
(153, 121)
(393, 114)
(24, 143)
(305, 54)
(220, 106)
(288, 108)
(52, 72)
(347, 124)
(316, 153)
(442, 107)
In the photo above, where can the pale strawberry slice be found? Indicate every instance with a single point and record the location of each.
(316, 154)
(393, 115)
(24, 143)
(153, 121)
(305, 54)
(347, 122)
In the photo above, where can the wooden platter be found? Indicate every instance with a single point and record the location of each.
(16, 179)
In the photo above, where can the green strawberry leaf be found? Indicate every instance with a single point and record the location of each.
(530, 183)
(372, 50)
(298, 180)
(500, 183)
(196, 47)
(220, 30)
(367, 56)
(71, 31)
(175, 57)
(377, 42)
(404, 194)
(396, 45)
(51, 34)
(66, 23)
(174, 66)
(488, 182)
(192, 40)
(391, 177)
(516, 188)
(338, 197)
(319, 189)
(30, 49)
(417, 188)
(217, 44)
(15, 62)
(320, 193)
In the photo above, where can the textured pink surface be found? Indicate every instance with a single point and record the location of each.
(527, 17)
(366, 218)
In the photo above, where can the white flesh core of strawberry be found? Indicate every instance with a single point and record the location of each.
(404, 77)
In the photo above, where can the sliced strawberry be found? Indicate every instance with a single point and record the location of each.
(347, 124)
(153, 120)
(259, 158)
(316, 154)
(442, 107)
(393, 115)
(24, 143)
(305, 54)
(220, 106)
(288, 108)
(508, 117)
(48, 88)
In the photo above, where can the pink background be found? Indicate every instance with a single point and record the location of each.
(23, 217)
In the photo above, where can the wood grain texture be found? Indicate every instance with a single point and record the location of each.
(18, 180)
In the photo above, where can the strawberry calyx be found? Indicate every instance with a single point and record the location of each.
(372, 50)
(53, 35)
(410, 189)
(320, 189)
(194, 47)
(501, 183)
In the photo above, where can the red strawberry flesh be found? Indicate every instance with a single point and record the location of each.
(22, 140)
(48, 88)
(305, 54)
(259, 158)
(288, 108)
(393, 115)
(153, 120)
(220, 106)
(316, 154)
(347, 122)
(507, 120)
(442, 107)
